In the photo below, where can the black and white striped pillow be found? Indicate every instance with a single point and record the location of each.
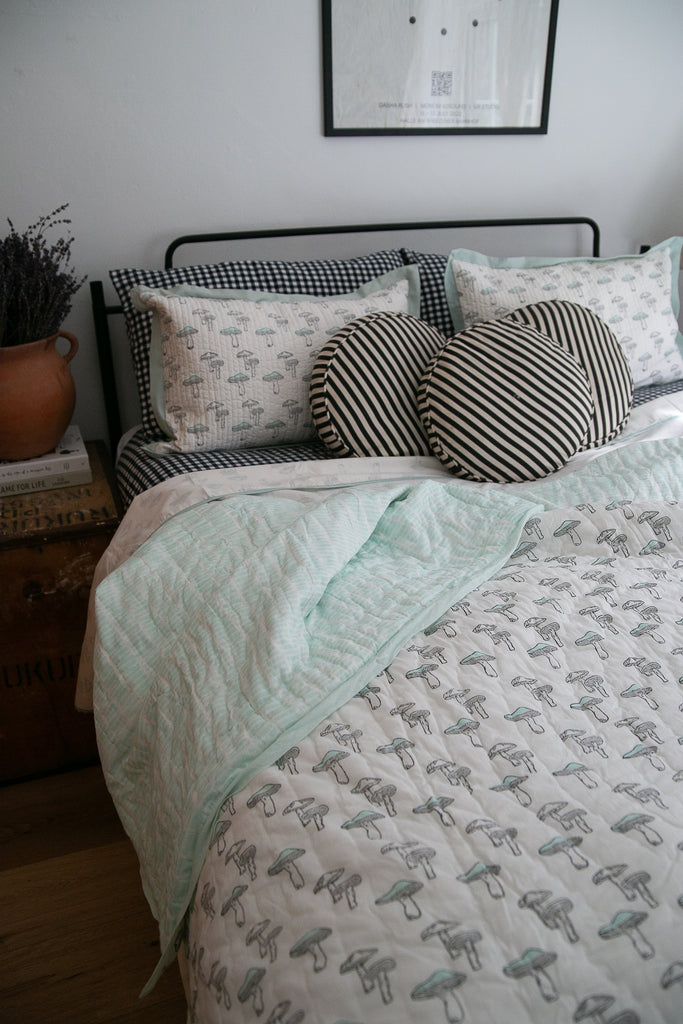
(581, 332)
(503, 402)
(364, 385)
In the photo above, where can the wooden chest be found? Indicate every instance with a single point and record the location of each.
(50, 543)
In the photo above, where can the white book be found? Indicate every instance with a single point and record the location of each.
(72, 478)
(69, 457)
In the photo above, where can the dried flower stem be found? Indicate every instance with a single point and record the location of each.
(36, 282)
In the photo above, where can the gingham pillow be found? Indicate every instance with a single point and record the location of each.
(308, 277)
(433, 302)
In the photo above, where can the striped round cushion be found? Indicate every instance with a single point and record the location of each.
(503, 402)
(582, 333)
(364, 385)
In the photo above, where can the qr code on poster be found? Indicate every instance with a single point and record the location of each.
(442, 83)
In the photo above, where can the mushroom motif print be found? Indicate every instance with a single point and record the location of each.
(533, 963)
(486, 873)
(591, 704)
(244, 858)
(216, 983)
(567, 845)
(649, 752)
(251, 989)
(527, 715)
(288, 761)
(627, 922)
(371, 975)
(434, 852)
(264, 936)
(545, 650)
(442, 985)
(474, 703)
(264, 797)
(455, 776)
(568, 529)
(312, 942)
(206, 900)
(400, 746)
(413, 716)
(641, 823)
(593, 1008)
(233, 904)
(426, 672)
(307, 810)
(219, 833)
(478, 658)
(437, 805)
(553, 913)
(673, 975)
(579, 771)
(332, 762)
(636, 885)
(465, 727)
(414, 855)
(593, 639)
(367, 821)
(285, 862)
(638, 690)
(549, 631)
(339, 887)
(403, 892)
(514, 784)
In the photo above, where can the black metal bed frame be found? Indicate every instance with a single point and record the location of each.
(103, 310)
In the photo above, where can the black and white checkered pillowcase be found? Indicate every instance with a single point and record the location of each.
(433, 304)
(306, 277)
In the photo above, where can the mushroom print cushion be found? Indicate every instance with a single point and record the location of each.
(490, 823)
(637, 296)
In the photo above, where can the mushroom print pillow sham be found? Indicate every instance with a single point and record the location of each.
(476, 819)
(230, 369)
(636, 296)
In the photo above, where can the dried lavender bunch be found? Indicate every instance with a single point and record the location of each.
(37, 282)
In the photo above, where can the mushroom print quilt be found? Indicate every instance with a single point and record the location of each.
(463, 800)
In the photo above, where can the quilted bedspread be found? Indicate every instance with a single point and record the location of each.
(462, 803)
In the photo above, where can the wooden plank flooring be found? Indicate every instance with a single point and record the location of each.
(77, 939)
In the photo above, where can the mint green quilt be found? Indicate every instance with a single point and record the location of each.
(244, 622)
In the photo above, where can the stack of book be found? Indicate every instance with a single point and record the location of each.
(66, 466)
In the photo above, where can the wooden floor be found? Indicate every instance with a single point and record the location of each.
(77, 939)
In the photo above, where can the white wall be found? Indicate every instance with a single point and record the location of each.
(157, 117)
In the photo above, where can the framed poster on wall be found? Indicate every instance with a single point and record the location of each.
(422, 67)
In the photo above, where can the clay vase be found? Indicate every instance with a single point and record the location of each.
(37, 396)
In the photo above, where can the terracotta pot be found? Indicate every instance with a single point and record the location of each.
(37, 396)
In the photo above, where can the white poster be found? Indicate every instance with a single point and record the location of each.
(394, 66)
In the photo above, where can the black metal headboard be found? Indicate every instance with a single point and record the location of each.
(103, 310)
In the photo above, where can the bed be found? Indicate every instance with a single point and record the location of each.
(386, 656)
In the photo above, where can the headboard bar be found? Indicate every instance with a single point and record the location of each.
(337, 229)
(103, 310)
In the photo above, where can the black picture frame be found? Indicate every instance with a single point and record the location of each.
(356, 49)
